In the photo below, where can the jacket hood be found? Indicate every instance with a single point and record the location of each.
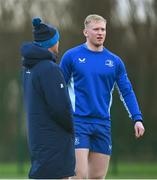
(33, 54)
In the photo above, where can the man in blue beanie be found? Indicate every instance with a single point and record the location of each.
(47, 105)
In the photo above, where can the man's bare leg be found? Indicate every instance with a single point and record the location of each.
(98, 165)
(81, 163)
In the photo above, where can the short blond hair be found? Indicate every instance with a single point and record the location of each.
(93, 17)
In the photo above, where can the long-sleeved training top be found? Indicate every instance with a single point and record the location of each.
(91, 77)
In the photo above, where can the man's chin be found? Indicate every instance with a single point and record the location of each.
(99, 44)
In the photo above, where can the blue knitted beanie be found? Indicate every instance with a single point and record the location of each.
(44, 35)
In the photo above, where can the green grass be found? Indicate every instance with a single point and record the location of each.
(14, 170)
(133, 171)
(121, 171)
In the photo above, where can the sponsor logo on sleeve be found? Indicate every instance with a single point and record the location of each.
(61, 85)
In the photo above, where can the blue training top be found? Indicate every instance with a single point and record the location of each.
(91, 77)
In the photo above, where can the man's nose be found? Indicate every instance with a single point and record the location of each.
(100, 31)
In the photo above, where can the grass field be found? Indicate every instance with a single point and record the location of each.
(133, 171)
(121, 171)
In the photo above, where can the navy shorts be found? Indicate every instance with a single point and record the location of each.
(95, 137)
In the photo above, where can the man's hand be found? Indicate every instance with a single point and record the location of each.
(139, 129)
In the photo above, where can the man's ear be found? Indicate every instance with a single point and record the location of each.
(85, 33)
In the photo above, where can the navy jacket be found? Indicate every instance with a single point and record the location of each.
(49, 115)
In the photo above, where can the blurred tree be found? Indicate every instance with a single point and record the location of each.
(141, 59)
(16, 27)
(78, 10)
(129, 34)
